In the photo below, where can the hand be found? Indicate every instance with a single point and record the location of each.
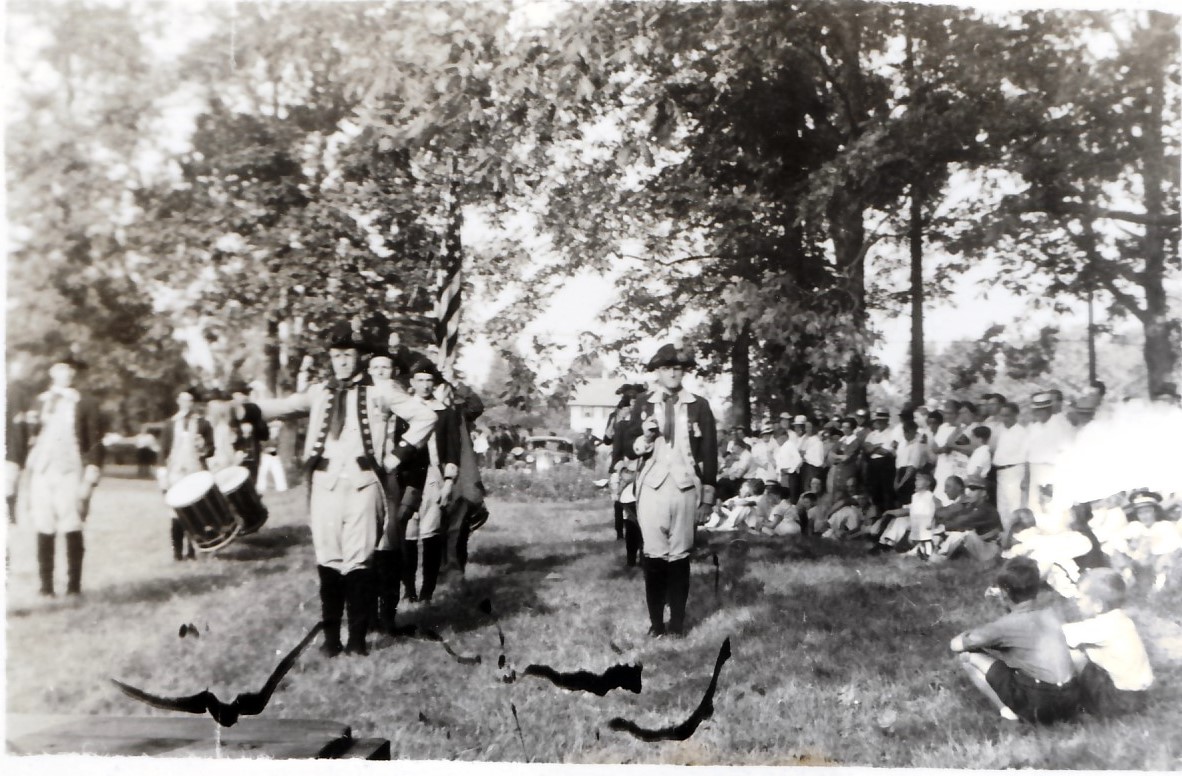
(306, 364)
(239, 457)
(445, 491)
(390, 462)
(650, 430)
(704, 512)
(84, 507)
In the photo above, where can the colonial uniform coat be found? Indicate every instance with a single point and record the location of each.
(346, 500)
(69, 440)
(678, 470)
(186, 443)
(438, 460)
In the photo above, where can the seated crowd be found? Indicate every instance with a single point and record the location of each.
(971, 481)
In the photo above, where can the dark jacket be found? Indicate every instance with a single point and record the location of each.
(88, 430)
(251, 443)
(703, 445)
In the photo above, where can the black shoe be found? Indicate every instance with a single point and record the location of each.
(331, 649)
(657, 631)
(359, 649)
(412, 598)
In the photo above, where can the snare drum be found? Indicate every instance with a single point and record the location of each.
(236, 485)
(203, 511)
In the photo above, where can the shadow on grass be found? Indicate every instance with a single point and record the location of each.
(267, 544)
(163, 589)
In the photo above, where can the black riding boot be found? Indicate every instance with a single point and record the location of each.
(332, 609)
(409, 567)
(655, 582)
(359, 591)
(619, 508)
(178, 540)
(462, 543)
(386, 579)
(45, 550)
(74, 553)
(633, 542)
(677, 591)
(432, 558)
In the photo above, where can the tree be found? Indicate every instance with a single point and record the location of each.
(1097, 164)
(74, 149)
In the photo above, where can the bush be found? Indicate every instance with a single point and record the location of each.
(570, 482)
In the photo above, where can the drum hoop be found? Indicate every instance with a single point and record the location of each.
(231, 536)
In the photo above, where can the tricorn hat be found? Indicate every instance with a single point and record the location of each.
(341, 336)
(668, 355)
(425, 366)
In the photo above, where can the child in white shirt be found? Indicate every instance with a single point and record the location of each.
(1114, 670)
(980, 459)
(915, 519)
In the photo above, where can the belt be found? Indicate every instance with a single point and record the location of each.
(1007, 466)
(363, 463)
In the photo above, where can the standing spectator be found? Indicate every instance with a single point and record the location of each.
(909, 461)
(1009, 465)
(187, 443)
(270, 467)
(585, 449)
(787, 463)
(980, 462)
(1046, 438)
(763, 453)
(879, 451)
(812, 452)
(844, 458)
(64, 467)
(673, 433)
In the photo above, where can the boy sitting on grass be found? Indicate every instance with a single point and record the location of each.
(1020, 662)
(1114, 671)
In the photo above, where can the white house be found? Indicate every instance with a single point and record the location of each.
(592, 403)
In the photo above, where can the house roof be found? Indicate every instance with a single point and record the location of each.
(597, 392)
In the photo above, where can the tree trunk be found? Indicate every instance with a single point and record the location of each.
(271, 356)
(741, 380)
(848, 234)
(916, 236)
(1160, 356)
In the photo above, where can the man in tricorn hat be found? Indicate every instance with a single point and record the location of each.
(347, 426)
(64, 466)
(672, 432)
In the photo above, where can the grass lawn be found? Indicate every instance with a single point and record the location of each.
(838, 658)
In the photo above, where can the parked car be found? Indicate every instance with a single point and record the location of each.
(541, 453)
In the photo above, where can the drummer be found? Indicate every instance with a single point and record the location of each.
(349, 415)
(187, 444)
